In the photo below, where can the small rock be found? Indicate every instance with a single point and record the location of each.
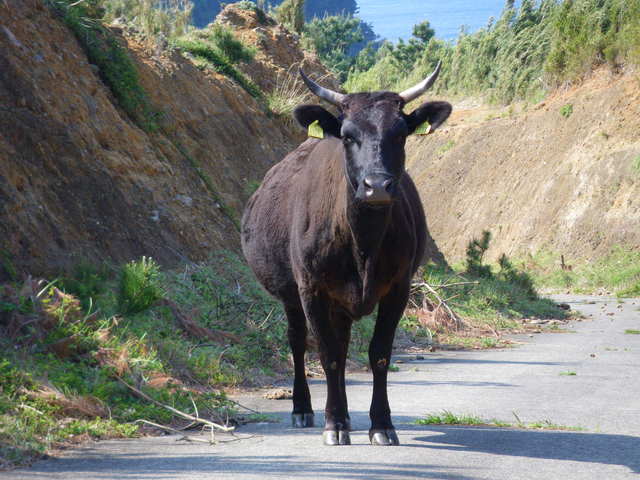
(186, 200)
(399, 361)
(564, 306)
(593, 355)
(419, 357)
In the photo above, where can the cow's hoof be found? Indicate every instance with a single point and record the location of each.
(302, 420)
(333, 437)
(384, 437)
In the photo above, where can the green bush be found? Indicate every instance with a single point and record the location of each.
(216, 48)
(139, 286)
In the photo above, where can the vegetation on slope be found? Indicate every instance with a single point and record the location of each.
(527, 51)
(616, 273)
(69, 349)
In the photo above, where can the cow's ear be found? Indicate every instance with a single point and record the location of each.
(433, 112)
(307, 114)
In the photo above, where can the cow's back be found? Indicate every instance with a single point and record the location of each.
(267, 221)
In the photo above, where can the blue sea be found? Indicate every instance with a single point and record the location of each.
(394, 19)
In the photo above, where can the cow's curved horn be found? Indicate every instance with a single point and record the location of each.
(330, 96)
(417, 90)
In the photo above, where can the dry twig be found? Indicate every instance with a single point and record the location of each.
(208, 423)
(459, 323)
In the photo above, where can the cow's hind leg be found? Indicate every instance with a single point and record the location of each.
(390, 311)
(302, 415)
(332, 356)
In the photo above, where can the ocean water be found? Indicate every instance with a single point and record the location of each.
(394, 19)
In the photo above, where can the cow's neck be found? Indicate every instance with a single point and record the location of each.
(368, 227)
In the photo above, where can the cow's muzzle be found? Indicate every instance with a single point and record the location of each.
(376, 189)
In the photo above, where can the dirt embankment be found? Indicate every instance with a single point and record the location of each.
(79, 179)
(563, 176)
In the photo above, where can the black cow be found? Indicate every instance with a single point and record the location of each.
(337, 228)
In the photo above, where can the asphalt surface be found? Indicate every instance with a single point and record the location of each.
(603, 397)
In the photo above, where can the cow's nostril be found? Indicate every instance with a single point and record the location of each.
(367, 182)
(387, 184)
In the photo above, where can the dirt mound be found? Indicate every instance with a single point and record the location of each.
(562, 176)
(79, 179)
(278, 50)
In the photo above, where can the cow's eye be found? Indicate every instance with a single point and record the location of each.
(348, 140)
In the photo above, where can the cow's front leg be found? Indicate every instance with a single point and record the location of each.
(316, 308)
(302, 415)
(390, 311)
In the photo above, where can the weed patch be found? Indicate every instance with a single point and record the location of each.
(449, 418)
(566, 110)
(632, 332)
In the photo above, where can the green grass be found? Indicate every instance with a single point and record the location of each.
(115, 67)
(449, 418)
(568, 374)
(635, 164)
(632, 332)
(617, 272)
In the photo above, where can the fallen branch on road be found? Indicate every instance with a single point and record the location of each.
(196, 419)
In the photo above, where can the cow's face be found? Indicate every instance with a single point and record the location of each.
(373, 134)
(373, 130)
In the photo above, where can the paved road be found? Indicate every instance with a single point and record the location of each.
(603, 397)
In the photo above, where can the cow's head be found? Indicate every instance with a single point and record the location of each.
(373, 129)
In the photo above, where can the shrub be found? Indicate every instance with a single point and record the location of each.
(476, 249)
(567, 110)
(139, 286)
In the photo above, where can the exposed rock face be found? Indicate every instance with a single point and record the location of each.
(538, 180)
(79, 179)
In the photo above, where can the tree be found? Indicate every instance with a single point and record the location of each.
(331, 37)
(423, 31)
(291, 14)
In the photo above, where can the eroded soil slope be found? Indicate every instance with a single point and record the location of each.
(538, 179)
(79, 179)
